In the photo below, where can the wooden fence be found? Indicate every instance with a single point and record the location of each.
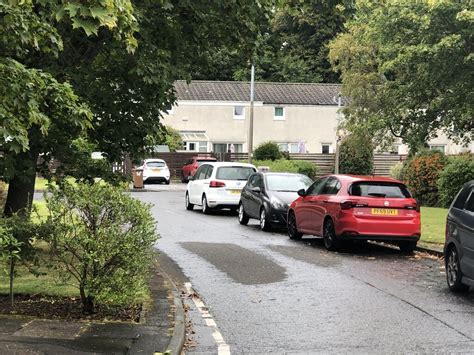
(325, 162)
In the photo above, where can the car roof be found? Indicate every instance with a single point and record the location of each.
(355, 178)
(205, 158)
(266, 173)
(229, 163)
(469, 184)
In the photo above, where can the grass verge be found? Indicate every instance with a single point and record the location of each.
(433, 224)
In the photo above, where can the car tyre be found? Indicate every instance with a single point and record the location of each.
(453, 271)
(292, 227)
(189, 205)
(407, 247)
(264, 224)
(205, 207)
(167, 182)
(331, 242)
(243, 217)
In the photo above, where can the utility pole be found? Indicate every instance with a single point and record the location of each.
(338, 138)
(250, 133)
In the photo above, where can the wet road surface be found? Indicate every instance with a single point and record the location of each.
(263, 293)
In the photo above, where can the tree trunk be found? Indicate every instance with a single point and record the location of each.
(22, 186)
(12, 276)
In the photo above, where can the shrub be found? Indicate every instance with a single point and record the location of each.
(457, 172)
(356, 155)
(290, 166)
(103, 241)
(267, 151)
(396, 171)
(421, 176)
(3, 195)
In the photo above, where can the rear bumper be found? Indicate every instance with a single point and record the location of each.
(221, 199)
(156, 179)
(381, 238)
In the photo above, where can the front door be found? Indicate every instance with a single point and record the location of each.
(305, 208)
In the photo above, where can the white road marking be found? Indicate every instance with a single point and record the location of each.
(222, 347)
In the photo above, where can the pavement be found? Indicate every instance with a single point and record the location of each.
(161, 329)
(253, 292)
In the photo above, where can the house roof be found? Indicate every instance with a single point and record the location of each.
(268, 93)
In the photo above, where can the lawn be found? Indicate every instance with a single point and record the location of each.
(433, 224)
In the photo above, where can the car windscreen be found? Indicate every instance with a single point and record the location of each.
(290, 183)
(155, 164)
(234, 172)
(379, 189)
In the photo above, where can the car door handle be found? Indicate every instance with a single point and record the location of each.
(325, 201)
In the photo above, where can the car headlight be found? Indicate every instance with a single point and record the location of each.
(276, 203)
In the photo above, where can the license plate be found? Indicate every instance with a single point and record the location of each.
(156, 170)
(234, 191)
(384, 211)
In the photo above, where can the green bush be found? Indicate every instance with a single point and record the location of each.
(102, 239)
(356, 155)
(3, 195)
(457, 172)
(267, 151)
(290, 166)
(396, 171)
(421, 175)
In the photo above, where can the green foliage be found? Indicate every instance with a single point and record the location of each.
(396, 171)
(457, 172)
(173, 139)
(407, 67)
(290, 166)
(422, 174)
(103, 241)
(3, 194)
(267, 151)
(356, 155)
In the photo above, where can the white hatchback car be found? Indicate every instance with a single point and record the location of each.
(155, 170)
(217, 185)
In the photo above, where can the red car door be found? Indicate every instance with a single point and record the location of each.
(325, 204)
(306, 208)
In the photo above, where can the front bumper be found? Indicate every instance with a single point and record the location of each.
(278, 216)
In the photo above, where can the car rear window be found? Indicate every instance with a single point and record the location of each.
(379, 189)
(234, 172)
(155, 164)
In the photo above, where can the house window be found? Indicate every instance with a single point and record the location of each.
(279, 114)
(228, 147)
(326, 148)
(203, 147)
(289, 147)
(440, 147)
(239, 112)
(191, 146)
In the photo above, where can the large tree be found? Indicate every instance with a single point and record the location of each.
(408, 67)
(120, 59)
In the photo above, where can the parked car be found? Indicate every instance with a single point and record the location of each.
(217, 185)
(346, 207)
(155, 170)
(189, 169)
(459, 244)
(266, 197)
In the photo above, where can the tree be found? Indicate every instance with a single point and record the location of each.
(407, 67)
(124, 77)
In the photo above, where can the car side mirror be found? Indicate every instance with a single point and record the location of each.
(256, 189)
(302, 192)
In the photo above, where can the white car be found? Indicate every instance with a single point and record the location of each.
(217, 185)
(155, 170)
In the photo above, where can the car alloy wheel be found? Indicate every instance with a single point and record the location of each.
(292, 227)
(263, 220)
(453, 272)
(189, 205)
(329, 235)
(205, 206)
(243, 218)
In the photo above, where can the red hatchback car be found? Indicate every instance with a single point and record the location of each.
(192, 165)
(349, 207)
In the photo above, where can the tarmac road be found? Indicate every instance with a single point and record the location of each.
(263, 293)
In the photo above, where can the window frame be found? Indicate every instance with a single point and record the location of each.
(279, 118)
(239, 117)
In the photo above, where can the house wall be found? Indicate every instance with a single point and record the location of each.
(311, 125)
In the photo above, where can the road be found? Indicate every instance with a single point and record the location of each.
(263, 293)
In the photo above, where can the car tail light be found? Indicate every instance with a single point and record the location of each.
(216, 184)
(346, 205)
(415, 206)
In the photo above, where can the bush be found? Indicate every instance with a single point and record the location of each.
(457, 172)
(3, 195)
(290, 166)
(267, 151)
(421, 175)
(396, 171)
(103, 241)
(356, 155)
